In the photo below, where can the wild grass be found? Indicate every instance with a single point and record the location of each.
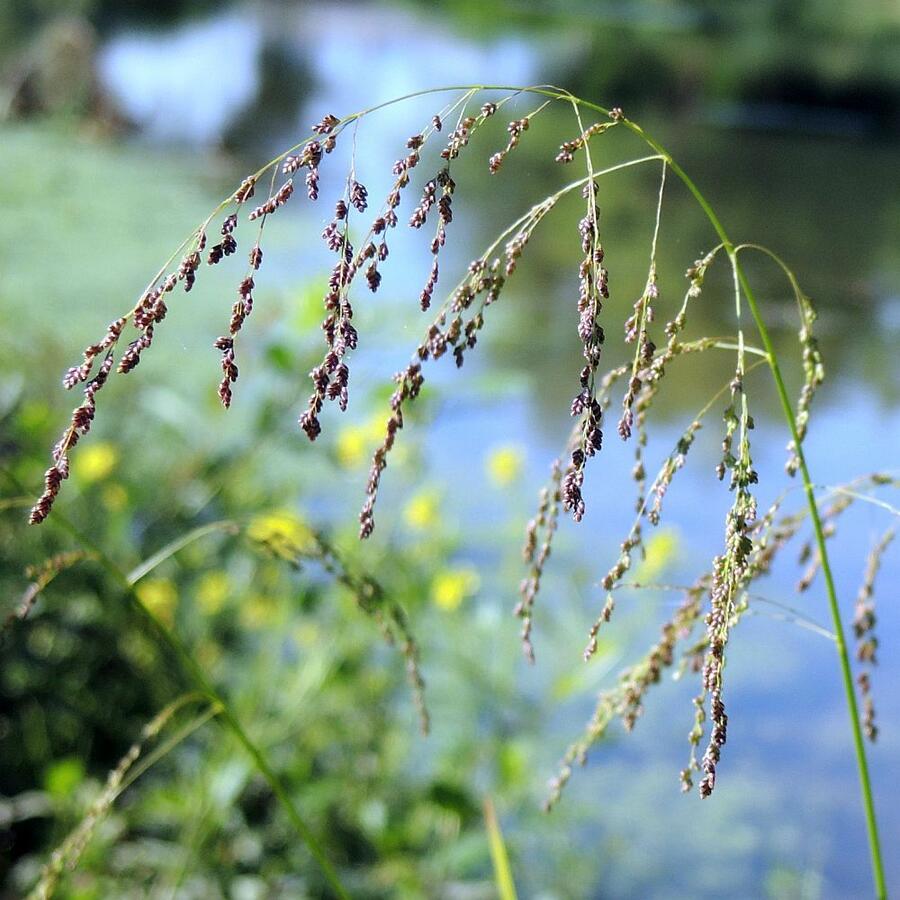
(697, 637)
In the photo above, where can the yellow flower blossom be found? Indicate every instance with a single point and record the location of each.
(212, 592)
(256, 611)
(422, 511)
(351, 446)
(160, 596)
(283, 531)
(504, 464)
(355, 442)
(451, 586)
(95, 462)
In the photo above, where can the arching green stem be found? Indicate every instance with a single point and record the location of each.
(788, 411)
(809, 490)
(205, 687)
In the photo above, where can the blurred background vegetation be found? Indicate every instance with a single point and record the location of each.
(124, 123)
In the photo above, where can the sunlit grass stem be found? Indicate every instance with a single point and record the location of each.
(204, 686)
(503, 878)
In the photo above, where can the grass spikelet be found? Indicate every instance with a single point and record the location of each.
(41, 575)
(864, 621)
(67, 855)
(540, 529)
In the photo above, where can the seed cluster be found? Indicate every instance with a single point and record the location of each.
(515, 129)
(672, 464)
(729, 573)
(809, 553)
(676, 325)
(331, 377)
(243, 306)
(647, 503)
(148, 313)
(41, 576)
(813, 376)
(771, 534)
(568, 149)
(439, 191)
(625, 701)
(719, 598)
(539, 529)
(637, 332)
(80, 425)
(454, 329)
(593, 289)
(444, 202)
(864, 622)
(152, 309)
(82, 372)
(465, 128)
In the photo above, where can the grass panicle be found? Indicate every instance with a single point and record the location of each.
(720, 596)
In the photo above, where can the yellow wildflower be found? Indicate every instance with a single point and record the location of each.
(283, 531)
(422, 511)
(96, 462)
(504, 464)
(212, 592)
(160, 596)
(451, 586)
(355, 442)
(351, 446)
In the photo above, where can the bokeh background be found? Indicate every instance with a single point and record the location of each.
(121, 125)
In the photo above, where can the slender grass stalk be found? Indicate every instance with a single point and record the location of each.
(68, 853)
(893, 510)
(148, 565)
(503, 878)
(198, 676)
(195, 674)
(168, 745)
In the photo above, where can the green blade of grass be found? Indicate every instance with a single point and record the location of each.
(503, 878)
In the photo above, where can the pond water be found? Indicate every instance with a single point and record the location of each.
(786, 820)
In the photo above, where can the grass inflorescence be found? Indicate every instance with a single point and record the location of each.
(696, 638)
